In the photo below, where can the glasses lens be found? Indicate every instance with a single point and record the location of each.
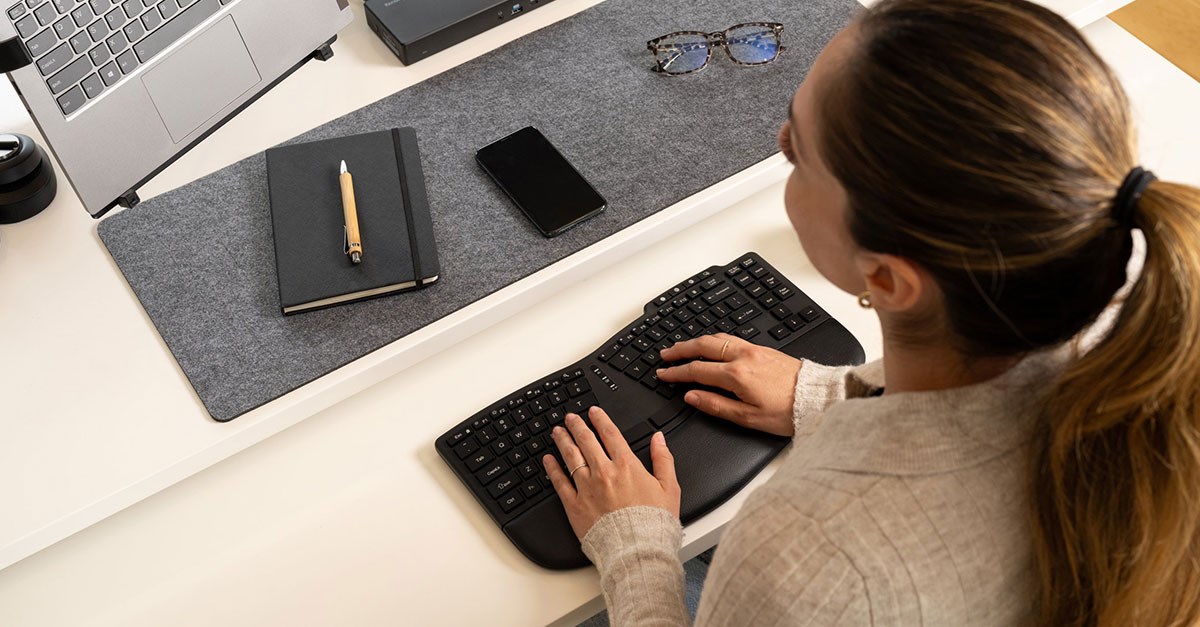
(682, 53)
(753, 44)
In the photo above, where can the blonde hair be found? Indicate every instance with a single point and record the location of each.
(986, 141)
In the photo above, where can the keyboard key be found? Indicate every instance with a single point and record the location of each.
(100, 6)
(484, 436)
(63, 6)
(531, 489)
(538, 425)
(56, 59)
(16, 11)
(92, 85)
(64, 28)
(780, 312)
(693, 329)
(134, 30)
(41, 43)
(735, 302)
(517, 457)
(501, 447)
(697, 306)
(98, 30)
(558, 397)
(131, 8)
(457, 436)
(770, 281)
(151, 20)
(757, 291)
(745, 315)
(536, 448)
(493, 471)
(580, 405)
(726, 326)
(82, 16)
(555, 417)
(465, 448)
(578, 386)
(794, 322)
(652, 358)
(743, 280)
(115, 19)
(80, 42)
(117, 43)
(538, 406)
(768, 301)
(521, 415)
(45, 14)
(637, 369)
(501, 425)
(478, 460)
(32, 3)
(519, 435)
(747, 332)
(780, 332)
(510, 502)
(70, 75)
(783, 292)
(26, 27)
(809, 313)
(529, 469)
(733, 271)
(757, 271)
(503, 484)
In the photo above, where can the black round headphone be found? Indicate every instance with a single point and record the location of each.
(27, 181)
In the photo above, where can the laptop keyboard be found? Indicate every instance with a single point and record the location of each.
(83, 47)
(497, 452)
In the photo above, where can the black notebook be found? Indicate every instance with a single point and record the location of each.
(393, 216)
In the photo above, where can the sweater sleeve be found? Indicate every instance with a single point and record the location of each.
(636, 550)
(817, 387)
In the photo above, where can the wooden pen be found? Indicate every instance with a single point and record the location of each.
(350, 213)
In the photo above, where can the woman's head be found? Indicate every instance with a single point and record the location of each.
(973, 148)
(961, 159)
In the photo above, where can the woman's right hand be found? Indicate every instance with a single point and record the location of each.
(763, 379)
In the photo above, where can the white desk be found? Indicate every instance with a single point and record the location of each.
(348, 517)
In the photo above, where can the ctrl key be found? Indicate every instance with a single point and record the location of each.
(72, 100)
(510, 502)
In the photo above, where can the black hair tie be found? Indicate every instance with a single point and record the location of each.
(1132, 188)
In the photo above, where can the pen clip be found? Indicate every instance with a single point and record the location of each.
(345, 240)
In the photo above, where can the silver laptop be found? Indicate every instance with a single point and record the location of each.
(121, 88)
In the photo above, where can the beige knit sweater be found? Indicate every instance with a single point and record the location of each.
(902, 509)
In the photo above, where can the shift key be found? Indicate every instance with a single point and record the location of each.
(70, 75)
(170, 32)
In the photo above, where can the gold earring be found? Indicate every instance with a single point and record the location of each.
(864, 300)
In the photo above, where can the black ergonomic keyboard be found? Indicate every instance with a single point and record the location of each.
(497, 452)
(83, 47)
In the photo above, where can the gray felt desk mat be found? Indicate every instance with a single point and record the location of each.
(196, 258)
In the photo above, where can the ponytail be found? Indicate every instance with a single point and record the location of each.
(1116, 480)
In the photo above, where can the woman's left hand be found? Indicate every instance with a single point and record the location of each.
(605, 483)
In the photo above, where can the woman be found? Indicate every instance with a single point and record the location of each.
(968, 168)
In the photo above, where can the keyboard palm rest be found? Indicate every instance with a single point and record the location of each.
(497, 452)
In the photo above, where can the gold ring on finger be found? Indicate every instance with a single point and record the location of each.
(572, 473)
(723, 348)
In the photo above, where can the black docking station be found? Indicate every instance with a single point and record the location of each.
(415, 29)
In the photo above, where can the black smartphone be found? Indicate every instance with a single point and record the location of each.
(542, 183)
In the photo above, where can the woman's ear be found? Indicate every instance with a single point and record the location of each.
(896, 284)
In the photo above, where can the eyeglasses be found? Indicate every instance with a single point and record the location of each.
(754, 43)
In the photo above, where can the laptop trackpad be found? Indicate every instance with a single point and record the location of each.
(200, 78)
